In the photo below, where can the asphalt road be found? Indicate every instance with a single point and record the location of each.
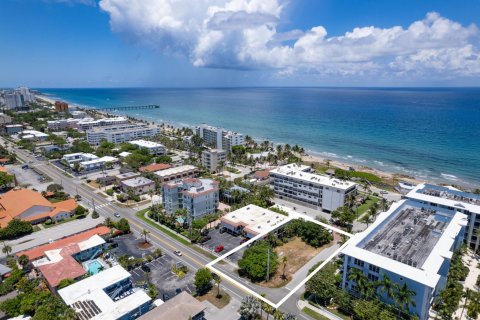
(190, 257)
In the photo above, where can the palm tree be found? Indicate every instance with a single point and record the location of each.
(373, 211)
(249, 308)
(284, 262)
(278, 315)
(218, 280)
(384, 204)
(268, 309)
(145, 234)
(367, 219)
(404, 297)
(108, 222)
(357, 276)
(6, 249)
(388, 287)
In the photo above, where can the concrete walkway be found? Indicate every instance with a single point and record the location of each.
(471, 260)
(324, 312)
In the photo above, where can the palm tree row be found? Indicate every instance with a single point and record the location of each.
(401, 295)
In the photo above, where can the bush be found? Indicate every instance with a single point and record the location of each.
(15, 228)
(81, 211)
(65, 283)
(254, 261)
(121, 198)
(48, 222)
(123, 225)
(109, 192)
(95, 215)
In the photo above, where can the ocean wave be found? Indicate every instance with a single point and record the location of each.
(449, 176)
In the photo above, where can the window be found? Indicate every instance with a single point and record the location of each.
(372, 277)
(374, 268)
(359, 263)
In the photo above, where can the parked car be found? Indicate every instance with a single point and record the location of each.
(244, 240)
(222, 230)
(178, 291)
(205, 239)
(145, 268)
(178, 253)
(219, 249)
(165, 297)
(25, 166)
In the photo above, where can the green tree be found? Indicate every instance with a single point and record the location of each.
(405, 297)
(123, 225)
(145, 233)
(95, 215)
(343, 215)
(218, 280)
(54, 187)
(255, 261)
(388, 287)
(5, 180)
(23, 260)
(16, 228)
(203, 281)
(80, 211)
(65, 283)
(6, 249)
(366, 309)
(323, 284)
(356, 275)
(249, 308)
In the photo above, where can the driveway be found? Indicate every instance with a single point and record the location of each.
(29, 177)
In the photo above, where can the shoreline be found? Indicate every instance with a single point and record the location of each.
(308, 157)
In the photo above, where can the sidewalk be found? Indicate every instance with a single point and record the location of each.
(303, 304)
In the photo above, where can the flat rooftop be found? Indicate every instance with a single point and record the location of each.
(137, 182)
(122, 127)
(175, 170)
(146, 144)
(254, 218)
(410, 236)
(301, 172)
(446, 196)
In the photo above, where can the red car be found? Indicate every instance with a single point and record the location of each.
(243, 240)
(219, 249)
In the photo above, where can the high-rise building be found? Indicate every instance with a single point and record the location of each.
(121, 133)
(298, 184)
(212, 158)
(61, 106)
(220, 138)
(412, 244)
(27, 95)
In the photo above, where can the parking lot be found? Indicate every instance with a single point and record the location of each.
(227, 240)
(160, 274)
(28, 177)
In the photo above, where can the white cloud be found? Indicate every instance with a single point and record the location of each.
(243, 34)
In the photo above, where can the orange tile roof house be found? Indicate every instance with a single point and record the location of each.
(29, 205)
(62, 259)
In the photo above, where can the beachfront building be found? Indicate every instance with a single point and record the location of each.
(452, 200)
(14, 101)
(108, 295)
(31, 206)
(68, 258)
(198, 196)
(62, 124)
(152, 147)
(412, 244)
(121, 133)
(213, 159)
(89, 123)
(177, 173)
(297, 183)
(220, 138)
(251, 221)
(78, 114)
(27, 95)
(137, 185)
(61, 106)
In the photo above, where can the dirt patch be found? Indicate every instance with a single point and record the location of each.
(144, 245)
(211, 297)
(298, 253)
(94, 184)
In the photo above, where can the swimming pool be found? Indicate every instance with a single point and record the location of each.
(94, 267)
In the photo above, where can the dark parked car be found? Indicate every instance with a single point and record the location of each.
(145, 268)
(222, 230)
(205, 239)
(166, 297)
(178, 291)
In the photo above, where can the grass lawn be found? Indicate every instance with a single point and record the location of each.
(364, 207)
(141, 215)
(313, 314)
(46, 226)
(298, 253)
(233, 170)
(211, 297)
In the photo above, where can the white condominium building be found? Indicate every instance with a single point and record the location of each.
(220, 138)
(14, 100)
(296, 183)
(152, 147)
(176, 173)
(88, 123)
(412, 244)
(121, 133)
(63, 124)
(198, 196)
(452, 200)
(27, 95)
(212, 158)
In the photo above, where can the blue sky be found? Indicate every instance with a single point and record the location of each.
(114, 43)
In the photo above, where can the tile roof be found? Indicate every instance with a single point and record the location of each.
(39, 251)
(155, 167)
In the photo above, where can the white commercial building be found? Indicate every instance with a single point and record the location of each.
(121, 133)
(107, 295)
(297, 183)
(97, 163)
(78, 114)
(63, 124)
(251, 221)
(152, 147)
(138, 185)
(452, 200)
(212, 158)
(198, 196)
(88, 161)
(72, 158)
(412, 244)
(34, 135)
(220, 138)
(177, 173)
(86, 124)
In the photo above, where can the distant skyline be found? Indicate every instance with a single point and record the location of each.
(228, 43)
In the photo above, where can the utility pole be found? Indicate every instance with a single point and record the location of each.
(268, 263)
(93, 204)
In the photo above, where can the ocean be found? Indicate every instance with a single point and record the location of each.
(432, 134)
